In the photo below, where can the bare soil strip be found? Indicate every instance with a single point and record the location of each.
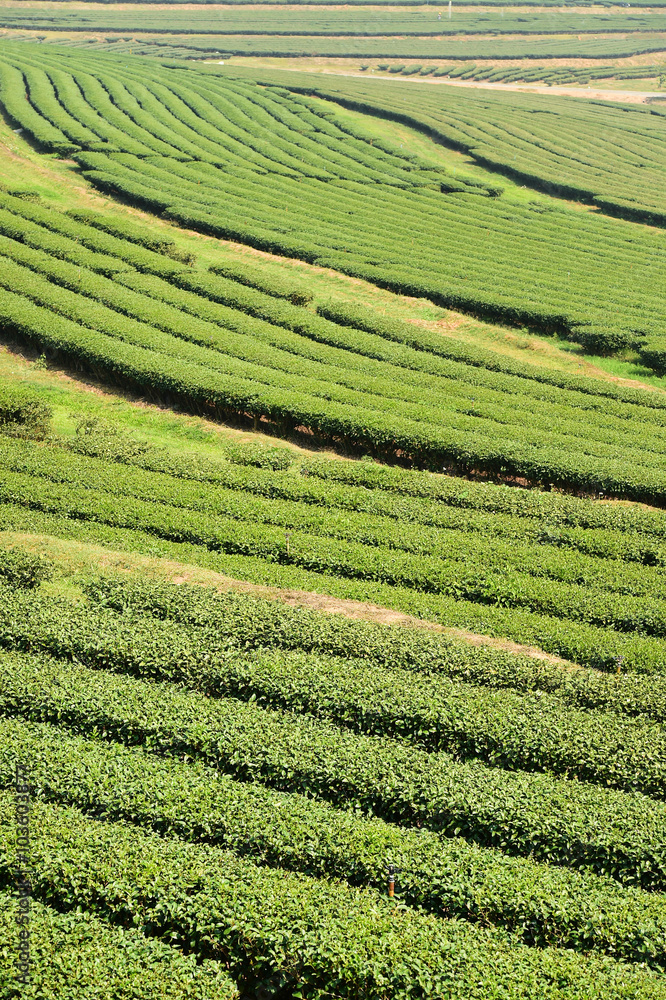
(73, 557)
(589, 92)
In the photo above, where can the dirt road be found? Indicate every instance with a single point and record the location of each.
(590, 92)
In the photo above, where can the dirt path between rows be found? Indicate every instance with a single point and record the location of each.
(627, 96)
(73, 557)
(591, 93)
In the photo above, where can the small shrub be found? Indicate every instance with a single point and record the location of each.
(183, 256)
(101, 439)
(23, 569)
(26, 195)
(23, 413)
(261, 455)
(300, 298)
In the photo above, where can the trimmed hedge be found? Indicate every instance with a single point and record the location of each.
(23, 569)
(255, 622)
(544, 905)
(550, 819)
(125, 230)
(77, 956)
(23, 413)
(528, 732)
(289, 932)
(254, 275)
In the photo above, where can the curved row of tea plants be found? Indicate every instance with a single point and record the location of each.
(214, 137)
(254, 623)
(293, 931)
(332, 23)
(247, 352)
(529, 732)
(115, 960)
(551, 819)
(513, 133)
(544, 905)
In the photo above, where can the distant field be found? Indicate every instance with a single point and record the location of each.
(573, 4)
(334, 23)
(577, 72)
(368, 32)
(559, 145)
(299, 46)
(197, 146)
(585, 46)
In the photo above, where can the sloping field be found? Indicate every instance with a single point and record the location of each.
(583, 581)
(235, 776)
(310, 21)
(559, 145)
(615, 45)
(197, 148)
(102, 296)
(376, 711)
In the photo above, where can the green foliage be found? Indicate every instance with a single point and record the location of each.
(125, 230)
(550, 819)
(197, 147)
(135, 332)
(593, 607)
(653, 355)
(512, 133)
(371, 321)
(26, 194)
(22, 569)
(544, 905)
(254, 623)
(23, 413)
(77, 956)
(95, 436)
(296, 933)
(255, 276)
(261, 456)
(515, 732)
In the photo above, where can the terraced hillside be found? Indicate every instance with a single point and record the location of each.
(197, 147)
(235, 776)
(614, 45)
(558, 145)
(332, 622)
(90, 290)
(575, 37)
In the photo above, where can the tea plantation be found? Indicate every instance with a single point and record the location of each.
(196, 147)
(332, 623)
(233, 776)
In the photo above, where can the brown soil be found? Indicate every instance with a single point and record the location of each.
(73, 557)
(590, 93)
